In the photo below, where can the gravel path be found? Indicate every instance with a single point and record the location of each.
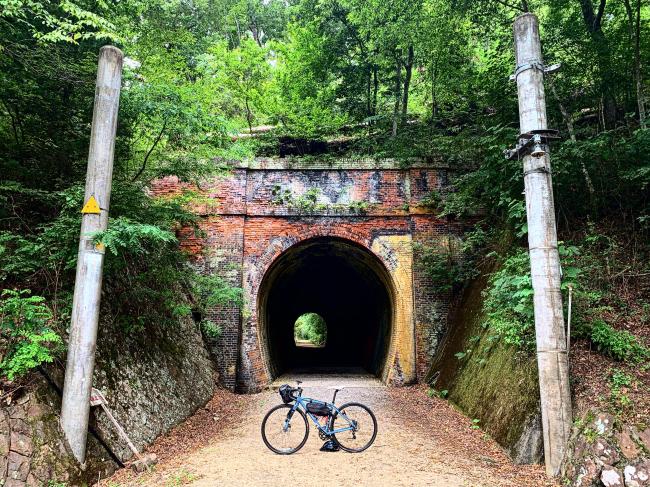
(421, 442)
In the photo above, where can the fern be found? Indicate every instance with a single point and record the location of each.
(25, 331)
(124, 234)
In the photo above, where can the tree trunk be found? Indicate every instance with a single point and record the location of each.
(375, 89)
(634, 19)
(369, 93)
(407, 83)
(434, 103)
(249, 117)
(253, 26)
(568, 120)
(398, 92)
(593, 23)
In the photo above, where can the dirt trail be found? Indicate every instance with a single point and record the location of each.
(421, 442)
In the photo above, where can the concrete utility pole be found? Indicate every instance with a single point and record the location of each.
(88, 284)
(552, 359)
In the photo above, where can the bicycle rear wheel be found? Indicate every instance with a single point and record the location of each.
(363, 423)
(282, 435)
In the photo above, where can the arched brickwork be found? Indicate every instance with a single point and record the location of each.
(379, 206)
(357, 249)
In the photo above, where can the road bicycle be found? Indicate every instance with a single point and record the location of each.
(285, 429)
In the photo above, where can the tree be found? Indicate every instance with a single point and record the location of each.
(244, 71)
(62, 21)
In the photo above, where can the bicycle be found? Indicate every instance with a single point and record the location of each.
(353, 426)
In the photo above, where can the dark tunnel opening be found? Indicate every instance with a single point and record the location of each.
(343, 283)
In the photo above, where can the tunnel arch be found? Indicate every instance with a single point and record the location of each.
(345, 282)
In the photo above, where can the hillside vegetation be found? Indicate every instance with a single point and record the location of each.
(332, 78)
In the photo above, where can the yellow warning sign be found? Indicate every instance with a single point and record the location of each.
(91, 206)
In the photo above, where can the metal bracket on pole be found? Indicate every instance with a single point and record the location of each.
(534, 143)
(544, 69)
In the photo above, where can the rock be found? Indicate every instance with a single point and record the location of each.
(611, 477)
(14, 483)
(637, 475)
(20, 426)
(18, 467)
(626, 442)
(17, 412)
(5, 435)
(605, 452)
(24, 399)
(604, 423)
(587, 474)
(146, 462)
(21, 443)
(644, 437)
(530, 446)
(33, 481)
(36, 410)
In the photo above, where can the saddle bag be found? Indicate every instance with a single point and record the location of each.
(286, 393)
(318, 409)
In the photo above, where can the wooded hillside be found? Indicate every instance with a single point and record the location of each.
(206, 81)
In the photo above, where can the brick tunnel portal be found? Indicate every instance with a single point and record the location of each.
(342, 282)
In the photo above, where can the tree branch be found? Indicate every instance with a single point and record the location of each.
(601, 11)
(509, 5)
(153, 146)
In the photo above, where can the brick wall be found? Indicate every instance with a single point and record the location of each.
(244, 231)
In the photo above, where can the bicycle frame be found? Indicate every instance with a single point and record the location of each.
(301, 403)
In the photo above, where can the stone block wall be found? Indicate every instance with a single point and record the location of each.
(153, 380)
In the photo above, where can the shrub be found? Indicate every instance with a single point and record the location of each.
(211, 329)
(26, 337)
(509, 297)
(620, 345)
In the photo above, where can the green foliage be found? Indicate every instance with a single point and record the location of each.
(620, 383)
(136, 238)
(310, 202)
(26, 338)
(59, 21)
(213, 290)
(312, 328)
(451, 262)
(211, 330)
(508, 299)
(244, 72)
(618, 344)
(431, 392)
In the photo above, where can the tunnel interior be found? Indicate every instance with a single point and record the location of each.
(343, 283)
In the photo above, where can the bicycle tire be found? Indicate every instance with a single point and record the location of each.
(341, 442)
(268, 443)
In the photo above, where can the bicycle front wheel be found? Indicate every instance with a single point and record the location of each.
(362, 423)
(282, 434)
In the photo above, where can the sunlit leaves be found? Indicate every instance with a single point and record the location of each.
(58, 21)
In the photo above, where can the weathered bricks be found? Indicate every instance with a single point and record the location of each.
(245, 228)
